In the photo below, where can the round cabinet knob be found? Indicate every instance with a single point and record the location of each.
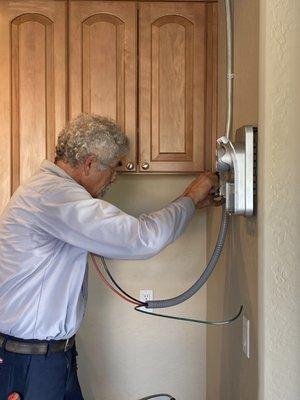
(130, 166)
(145, 165)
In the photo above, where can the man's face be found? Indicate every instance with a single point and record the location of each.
(96, 181)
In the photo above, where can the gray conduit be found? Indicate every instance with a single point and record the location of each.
(205, 275)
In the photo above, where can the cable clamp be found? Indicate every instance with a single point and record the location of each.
(231, 76)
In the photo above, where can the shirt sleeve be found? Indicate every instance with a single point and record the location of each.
(101, 228)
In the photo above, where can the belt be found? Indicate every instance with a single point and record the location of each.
(24, 347)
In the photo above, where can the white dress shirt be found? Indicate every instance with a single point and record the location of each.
(46, 231)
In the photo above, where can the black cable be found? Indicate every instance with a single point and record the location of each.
(226, 322)
(158, 395)
(116, 284)
(137, 308)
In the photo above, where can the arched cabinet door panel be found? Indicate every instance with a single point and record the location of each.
(177, 85)
(103, 59)
(32, 87)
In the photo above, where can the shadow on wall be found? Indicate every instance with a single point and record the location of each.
(230, 375)
(239, 290)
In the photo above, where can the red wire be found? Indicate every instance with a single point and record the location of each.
(108, 284)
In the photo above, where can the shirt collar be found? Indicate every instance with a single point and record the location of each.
(48, 166)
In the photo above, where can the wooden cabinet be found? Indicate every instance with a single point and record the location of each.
(177, 85)
(151, 66)
(172, 45)
(32, 87)
(102, 60)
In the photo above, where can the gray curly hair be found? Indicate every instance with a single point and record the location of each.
(91, 134)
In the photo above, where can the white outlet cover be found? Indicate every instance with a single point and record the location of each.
(146, 295)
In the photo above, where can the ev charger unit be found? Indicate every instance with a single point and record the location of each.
(236, 165)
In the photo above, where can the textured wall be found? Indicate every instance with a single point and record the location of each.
(230, 375)
(279, 205)
(125, 355)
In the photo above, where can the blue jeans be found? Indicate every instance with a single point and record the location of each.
(40, 377)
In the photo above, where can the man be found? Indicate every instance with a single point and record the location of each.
(46, 232)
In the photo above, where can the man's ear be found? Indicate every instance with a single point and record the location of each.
(87, 165)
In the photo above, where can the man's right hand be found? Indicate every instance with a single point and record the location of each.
(201, 188)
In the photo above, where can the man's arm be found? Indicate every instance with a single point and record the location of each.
(100, 227)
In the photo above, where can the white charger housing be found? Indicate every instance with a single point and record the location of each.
(236, 164)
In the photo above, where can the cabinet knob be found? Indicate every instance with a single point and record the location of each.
(145, 165)
(130, 166)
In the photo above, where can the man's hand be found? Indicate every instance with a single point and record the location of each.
(201, 189)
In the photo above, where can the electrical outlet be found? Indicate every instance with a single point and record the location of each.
(246, 337)
(146, 295)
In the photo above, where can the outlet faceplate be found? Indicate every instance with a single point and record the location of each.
(146, 295)
(246, 336)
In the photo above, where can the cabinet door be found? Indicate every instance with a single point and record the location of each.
(102, 55)
(177, 85)
(32, 87)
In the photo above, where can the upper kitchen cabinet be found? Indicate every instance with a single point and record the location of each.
(151, 66)
(177, 85)
(102, 64)
(32, 87)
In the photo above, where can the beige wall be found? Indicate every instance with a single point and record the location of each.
(279, 205)
(125, 355)
(230, 375)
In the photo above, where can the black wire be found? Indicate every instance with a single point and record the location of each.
(115, 283)
(226, 322)
(137, 308)
(158, 395)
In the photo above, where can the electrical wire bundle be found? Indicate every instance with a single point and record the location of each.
(141, 306)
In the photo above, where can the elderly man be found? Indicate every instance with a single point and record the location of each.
(46, 232)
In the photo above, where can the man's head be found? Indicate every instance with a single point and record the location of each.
(90, 148)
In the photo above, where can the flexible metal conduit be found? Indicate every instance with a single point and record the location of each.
(225, 216)
(206, 274)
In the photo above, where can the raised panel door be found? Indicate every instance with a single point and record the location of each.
(32, 87)
(176, 86)
(102, 55)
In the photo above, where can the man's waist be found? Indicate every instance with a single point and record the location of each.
(35, 347)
